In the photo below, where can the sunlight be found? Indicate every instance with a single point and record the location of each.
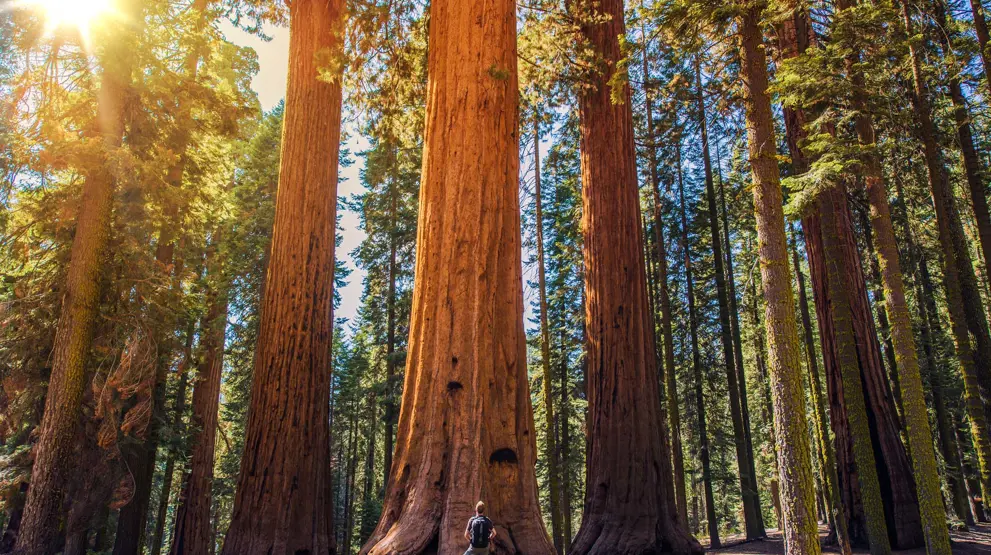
(78, 14)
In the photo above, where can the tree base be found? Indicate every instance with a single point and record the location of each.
(632, 536)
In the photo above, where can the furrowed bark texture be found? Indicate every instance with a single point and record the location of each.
(784, 352)
(795, 37)
(466, 429)
(827, 455)
(283, 500)
(844, 345)
(915, 412)
(53, 454)
(892, 465)
(629, 501)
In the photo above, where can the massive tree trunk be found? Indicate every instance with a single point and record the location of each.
(664, 300)
(892, 465)
(53, 454)
(893, 468)
(697, 372)
(193, 533)
(844, 344)
(283, 501)
(827, 456)
(466, 428)
(915, 412)
(790, 420)
(550, 447)
(963, 300)
(629, 498)
(748, 485)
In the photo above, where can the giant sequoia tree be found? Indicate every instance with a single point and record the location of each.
(283, 502)
(466, 429)
(630, 499)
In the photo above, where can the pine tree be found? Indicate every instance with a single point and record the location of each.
(790, 422)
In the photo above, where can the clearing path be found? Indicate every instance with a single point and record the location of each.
(975, 542)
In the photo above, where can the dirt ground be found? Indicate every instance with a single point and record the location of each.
(975, 542)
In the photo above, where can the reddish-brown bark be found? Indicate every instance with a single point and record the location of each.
(629, 499)
(466, 429)
(893, 466)
(283, 500)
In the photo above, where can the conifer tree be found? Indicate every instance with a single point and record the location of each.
(790, 422)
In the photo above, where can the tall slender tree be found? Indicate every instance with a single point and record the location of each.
(790, 420)
(193, 533)
(963, 300)
(748, 485)
(699, 394)
(283, 501)
(44, 507)
(550, 447)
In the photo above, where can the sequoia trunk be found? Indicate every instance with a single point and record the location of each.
(283, 500)
(466, 429)
(630, 501)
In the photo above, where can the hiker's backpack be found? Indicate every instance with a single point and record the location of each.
(481, 529)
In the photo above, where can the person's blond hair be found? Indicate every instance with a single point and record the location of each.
(480, 508)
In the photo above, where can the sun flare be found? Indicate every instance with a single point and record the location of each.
(78, 14)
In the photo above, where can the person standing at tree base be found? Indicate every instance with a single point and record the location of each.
(480, 532)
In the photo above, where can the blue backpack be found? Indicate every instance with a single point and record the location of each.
(481, 529)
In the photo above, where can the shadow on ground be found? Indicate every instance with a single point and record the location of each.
(975, 542)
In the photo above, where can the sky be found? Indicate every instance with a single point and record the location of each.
(270, 85)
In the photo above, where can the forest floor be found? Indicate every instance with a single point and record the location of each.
(975, 542)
